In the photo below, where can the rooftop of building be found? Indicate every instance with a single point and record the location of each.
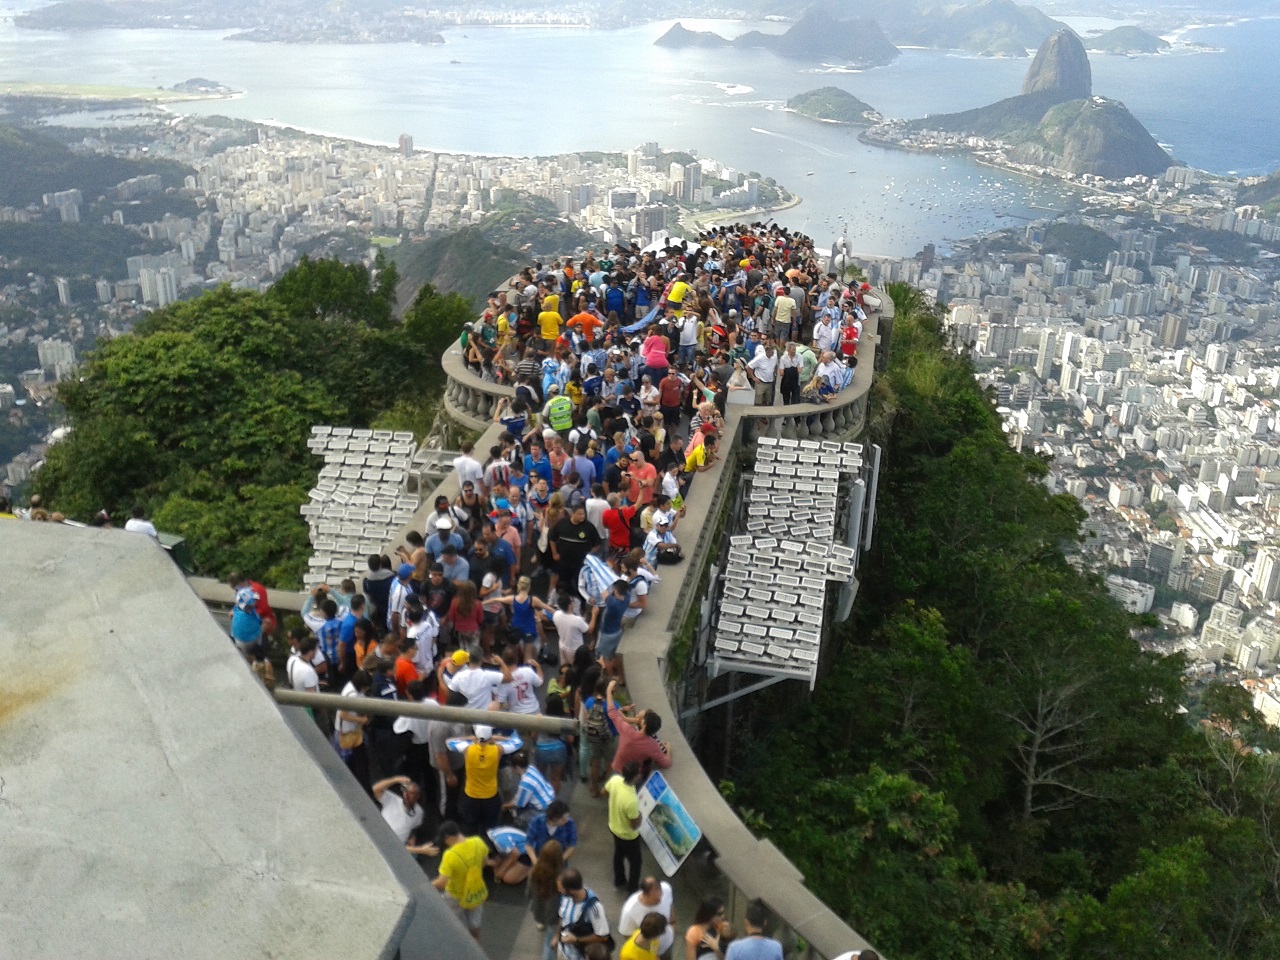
(149, 794)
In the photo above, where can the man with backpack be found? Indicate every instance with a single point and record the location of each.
(597, 733)
(583, 920)
(461, 878)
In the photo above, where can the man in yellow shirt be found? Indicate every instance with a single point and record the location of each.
(549, 318)
(464, 858)
(679, 290)
(644, 943)
(480, 807)
(624, 823)
(702, 456)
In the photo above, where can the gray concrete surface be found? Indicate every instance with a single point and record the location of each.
(153, 802)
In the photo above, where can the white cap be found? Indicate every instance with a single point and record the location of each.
(483, 732)
(444, 523)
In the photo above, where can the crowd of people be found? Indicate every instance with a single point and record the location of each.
(742, 310)
(516, 594)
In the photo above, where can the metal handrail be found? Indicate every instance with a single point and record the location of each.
(373, 706)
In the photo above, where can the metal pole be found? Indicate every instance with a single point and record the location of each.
(373, 706)
(870, 523)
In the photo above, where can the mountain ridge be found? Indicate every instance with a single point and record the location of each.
(817, 35)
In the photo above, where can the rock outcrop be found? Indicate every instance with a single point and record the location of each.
(1061, 67)
(816, 37)
(1058, 122)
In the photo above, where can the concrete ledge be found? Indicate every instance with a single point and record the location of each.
(754, 866)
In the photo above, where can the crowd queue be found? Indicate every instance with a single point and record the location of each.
(516, 595)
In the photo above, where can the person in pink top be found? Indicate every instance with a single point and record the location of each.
(637, 738)
(653, 353)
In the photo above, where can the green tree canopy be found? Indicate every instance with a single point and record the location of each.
(202, 415)
(992, 766)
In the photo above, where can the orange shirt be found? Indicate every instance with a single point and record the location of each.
(589, 323)
(405, 672)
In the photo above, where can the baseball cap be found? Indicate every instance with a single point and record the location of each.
(404, 571)
(444, 523)
(461, 658)
(661, 522)
(483, 732)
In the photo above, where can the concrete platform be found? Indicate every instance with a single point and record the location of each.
(153, 802)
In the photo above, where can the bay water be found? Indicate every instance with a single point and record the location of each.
(548, 90)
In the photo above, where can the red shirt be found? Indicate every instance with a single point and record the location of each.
(634, 744)
(670, 391)
(849, 340)
(618, 523)
(644, 471)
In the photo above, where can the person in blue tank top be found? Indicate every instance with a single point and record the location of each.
(524, 611)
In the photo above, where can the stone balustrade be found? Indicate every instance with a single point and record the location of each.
(471, 401)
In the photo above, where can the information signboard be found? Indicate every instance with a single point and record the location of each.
(666, 825)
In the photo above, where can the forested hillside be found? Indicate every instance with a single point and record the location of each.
(35, 163)
(993, 768)
(203, 414)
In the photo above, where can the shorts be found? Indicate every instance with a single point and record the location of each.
(607, 645)
(599, 749)
(492, 618)
(248, 649)
(472, 918)
(550, 753)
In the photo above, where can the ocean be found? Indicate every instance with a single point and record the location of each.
(548, 90)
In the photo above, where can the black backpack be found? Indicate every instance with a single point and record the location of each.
(595, 726)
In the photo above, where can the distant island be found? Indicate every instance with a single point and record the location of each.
(833, 105)
(989, 28)
(1056, 123)
(1126, 40)
(817, 37)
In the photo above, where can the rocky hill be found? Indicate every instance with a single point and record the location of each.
(1057, 122)
(817, 37)
(1061, 67)
(680, 36)
(1264, 193)
(833, 105)
(1126, 40)
(1095, 136)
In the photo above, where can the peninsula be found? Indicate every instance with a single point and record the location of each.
(1056, 126)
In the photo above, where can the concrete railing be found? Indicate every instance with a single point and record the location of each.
(470, 400)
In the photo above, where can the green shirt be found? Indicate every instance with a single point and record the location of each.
(624, 806)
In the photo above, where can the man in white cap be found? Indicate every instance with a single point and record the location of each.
(480, 806)
(443, 536)
(661, 546)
